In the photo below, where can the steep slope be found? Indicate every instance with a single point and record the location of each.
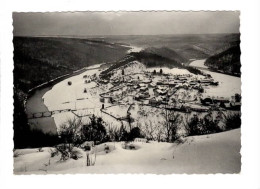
(216, 153)
(39, 59)
(154, 60)
(227, 61)
(193, 52)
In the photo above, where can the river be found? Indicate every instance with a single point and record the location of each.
(35, 103)
(228, 85)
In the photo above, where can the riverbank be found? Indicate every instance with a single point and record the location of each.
(228, 85)
(200, 64)
(35, 102)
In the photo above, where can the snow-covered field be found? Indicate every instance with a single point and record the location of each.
(64, 96)
(173, 71)
(216, 153)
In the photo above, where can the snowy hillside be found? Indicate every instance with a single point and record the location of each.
(216, 153)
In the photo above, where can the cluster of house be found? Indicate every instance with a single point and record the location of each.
(233, 103)
(157, 90)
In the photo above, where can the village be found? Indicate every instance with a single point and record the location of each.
(136, 96)
(153, 87)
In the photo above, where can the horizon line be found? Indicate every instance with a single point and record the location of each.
(94, 35)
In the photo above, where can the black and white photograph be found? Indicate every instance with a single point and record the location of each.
(127, 92)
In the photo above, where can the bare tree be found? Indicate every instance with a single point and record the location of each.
(186, 121)
(159, 131)
(149, 130)
(70, 131)
(113, 132)
(172, 120)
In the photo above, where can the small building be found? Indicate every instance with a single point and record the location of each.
(235, 105)
(192, 83)
(206, 101)
(142, 140)
(172, 84)
(108, 99)
(153, 102)
(220, 99)
(182, 78)
(152, 85)
(102, 99)
(130, 99)
(162, 92)
(146, 81)
(206, 81)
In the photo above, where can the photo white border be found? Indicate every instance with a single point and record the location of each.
(250, 47)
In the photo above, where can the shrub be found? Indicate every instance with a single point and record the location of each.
(123, 135)
(40, 149)
(210, 125)
(106, 149)
(201, 126)
(232, 121)
(134, 133)
(75, 154)
(69, 83)
(69, 131)
(94, 131)
(64, 150)
(16, 154)
(54, 152)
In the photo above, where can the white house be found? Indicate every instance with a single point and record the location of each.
(143, 140)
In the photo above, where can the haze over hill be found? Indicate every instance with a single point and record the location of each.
(125, 23)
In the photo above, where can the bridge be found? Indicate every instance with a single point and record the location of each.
(44, 114)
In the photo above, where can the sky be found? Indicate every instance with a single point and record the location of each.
(125, 23)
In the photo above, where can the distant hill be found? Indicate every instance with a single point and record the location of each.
(39, 59)
(154, 60)
(193, 52)
(189, 46)
(149, 59)
(167, 53)
(227, 61)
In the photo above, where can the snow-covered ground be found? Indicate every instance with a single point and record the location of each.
(216, 153)
(64, 96)
(173, 71)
